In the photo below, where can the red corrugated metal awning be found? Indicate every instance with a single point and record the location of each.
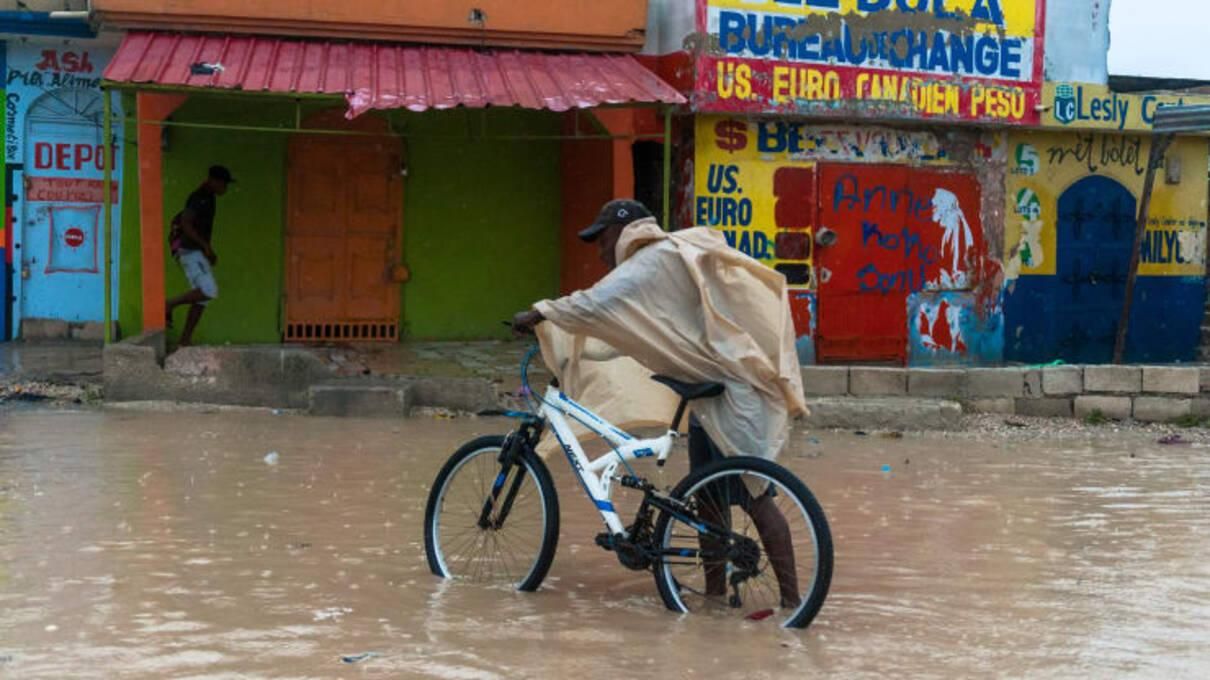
(384, 76)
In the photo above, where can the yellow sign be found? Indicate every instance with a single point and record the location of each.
(1086, 180)
(753, 202)
(957, 59)
(1096, 107)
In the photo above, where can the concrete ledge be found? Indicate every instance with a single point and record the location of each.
(887, 413)
(268, 376)
(1062, 381)
(131, 372)
(932, 382)
(865, 381)
(995, 382)
(825, 380)
(458, 394)
(1171, 380)
(362, 401)
(44, 329)
(1113, 379)
(1204, 378)
(999, 405)
(1200, 407)
(1118, 408)
(1047, 407)
(1161, 409)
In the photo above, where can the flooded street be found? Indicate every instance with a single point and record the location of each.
(164, 545)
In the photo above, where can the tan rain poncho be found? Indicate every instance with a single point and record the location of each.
(686, 305)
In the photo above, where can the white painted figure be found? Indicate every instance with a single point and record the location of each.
(949, 216)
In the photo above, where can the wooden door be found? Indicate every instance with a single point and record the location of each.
(343, 239)
(865, 276)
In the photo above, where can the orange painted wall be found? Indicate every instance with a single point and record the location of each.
(584, 24)
(594, 171)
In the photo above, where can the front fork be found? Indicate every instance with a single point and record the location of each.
(510, 457)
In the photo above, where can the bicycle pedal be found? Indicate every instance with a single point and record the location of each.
(605, 540)
(636, 482)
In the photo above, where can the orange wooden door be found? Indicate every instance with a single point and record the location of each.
(343, 238)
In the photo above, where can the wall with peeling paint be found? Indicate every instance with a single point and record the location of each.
(913, 274)
(1077, 41)
(1072, 202)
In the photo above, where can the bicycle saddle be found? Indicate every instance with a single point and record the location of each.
(690, 391)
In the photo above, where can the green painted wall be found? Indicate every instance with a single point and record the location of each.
(130, 266)
(248, 227)
(481, 219)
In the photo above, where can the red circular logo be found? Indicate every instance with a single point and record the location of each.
(74, 237)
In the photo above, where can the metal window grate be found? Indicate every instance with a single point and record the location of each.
(346, 331)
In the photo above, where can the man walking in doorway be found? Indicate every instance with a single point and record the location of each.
(190, 241)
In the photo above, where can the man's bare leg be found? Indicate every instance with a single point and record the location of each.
(193, 297)
(711, 509)
(779, 546)
(195, 315)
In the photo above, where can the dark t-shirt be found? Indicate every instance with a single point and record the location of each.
(200, 206)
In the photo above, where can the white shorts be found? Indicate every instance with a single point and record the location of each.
(198, 272)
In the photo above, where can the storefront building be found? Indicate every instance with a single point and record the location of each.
(51, 242)
(918, 175)
(1072, 203)
(384, 191)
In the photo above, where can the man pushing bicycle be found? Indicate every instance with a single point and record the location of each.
(687, 305)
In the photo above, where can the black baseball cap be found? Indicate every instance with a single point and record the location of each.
(221, 173)
(621, 211)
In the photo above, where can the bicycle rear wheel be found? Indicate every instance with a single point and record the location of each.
(492, 525)
(767, 553)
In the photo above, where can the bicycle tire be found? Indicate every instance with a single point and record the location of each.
(549, 498)
(812, 602)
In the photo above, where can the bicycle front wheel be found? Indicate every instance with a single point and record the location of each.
(492, 525)
(754, 544)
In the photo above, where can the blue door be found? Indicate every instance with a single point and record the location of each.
(1074, 315)
(61, 259)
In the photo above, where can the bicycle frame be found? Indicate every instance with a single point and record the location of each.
(596, 475)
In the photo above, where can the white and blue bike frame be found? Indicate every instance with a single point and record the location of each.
(597, 475)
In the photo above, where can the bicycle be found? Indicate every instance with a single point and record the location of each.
(478, 525)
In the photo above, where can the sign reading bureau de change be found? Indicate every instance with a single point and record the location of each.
(973, 60)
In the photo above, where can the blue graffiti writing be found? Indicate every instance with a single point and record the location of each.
(848, 194)
(1161, 247)
(910, 242)
(757, 34)
(754, 244)
(870, 280)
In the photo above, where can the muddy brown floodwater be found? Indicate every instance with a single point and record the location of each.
(163, 545)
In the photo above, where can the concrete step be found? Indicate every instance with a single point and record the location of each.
(884, 413)
(395, 397)
(362, 400)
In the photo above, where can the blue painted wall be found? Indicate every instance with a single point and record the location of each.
(52, 151)
(1073, 315)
